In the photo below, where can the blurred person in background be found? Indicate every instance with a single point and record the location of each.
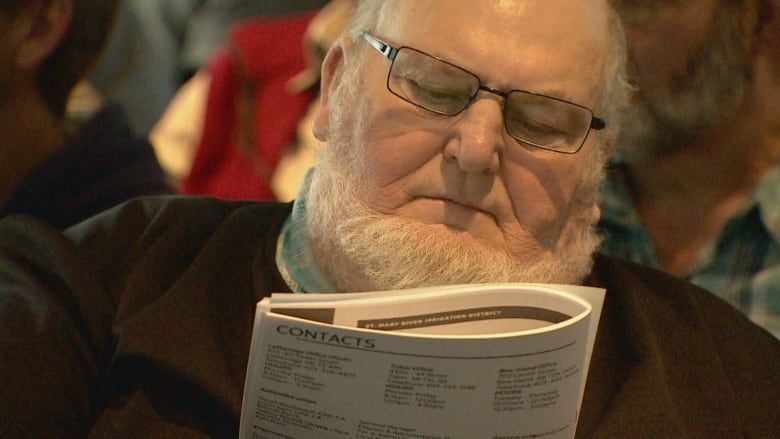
(62, 162)
(241, 127)
(694, 186)
(157, 45)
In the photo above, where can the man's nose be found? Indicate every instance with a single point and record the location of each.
(480, 136)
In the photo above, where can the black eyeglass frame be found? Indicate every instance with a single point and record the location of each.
(391, 52)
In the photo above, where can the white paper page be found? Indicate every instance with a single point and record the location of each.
(487, 309)
(317, 380)
(595, 297)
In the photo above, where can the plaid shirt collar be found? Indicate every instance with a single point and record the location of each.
(741, 265)
(619, 211)
(294, 257)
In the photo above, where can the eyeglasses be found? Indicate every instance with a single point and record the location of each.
(443, 88)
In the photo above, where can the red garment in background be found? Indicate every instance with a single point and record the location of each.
(250, 116)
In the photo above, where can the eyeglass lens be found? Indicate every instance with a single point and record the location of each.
(446, 89)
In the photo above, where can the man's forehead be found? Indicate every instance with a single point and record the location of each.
(464, 16)
(539, 46)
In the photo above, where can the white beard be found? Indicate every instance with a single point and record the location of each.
(363, 250)
(360, 249)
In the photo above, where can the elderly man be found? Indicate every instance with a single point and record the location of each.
(693, 189)
(59, 165)
(465, 144)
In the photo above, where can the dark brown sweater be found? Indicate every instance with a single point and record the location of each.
(137, 324)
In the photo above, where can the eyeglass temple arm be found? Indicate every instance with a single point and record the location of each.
(384, 48)
(597, 123)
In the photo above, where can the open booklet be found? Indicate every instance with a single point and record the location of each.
(465, 361)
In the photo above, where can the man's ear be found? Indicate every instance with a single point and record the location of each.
(331, 77)
(44, 29)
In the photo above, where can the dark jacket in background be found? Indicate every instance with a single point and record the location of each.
(104, 164)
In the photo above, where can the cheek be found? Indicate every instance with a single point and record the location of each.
(661, 50)
(393, 152)
(393, 166)
(543, 192)
(654, 61)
